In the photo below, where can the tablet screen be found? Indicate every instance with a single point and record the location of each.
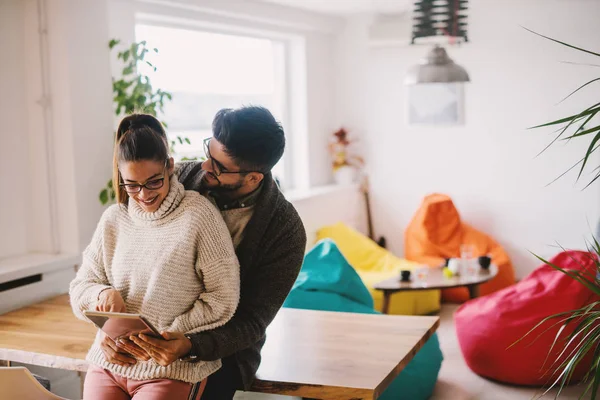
(121, 325)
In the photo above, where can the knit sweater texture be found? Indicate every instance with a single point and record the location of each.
(176, 266)
(270, 255)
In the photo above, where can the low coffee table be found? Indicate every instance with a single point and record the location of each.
(435, 280)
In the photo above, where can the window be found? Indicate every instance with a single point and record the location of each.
(207, 71)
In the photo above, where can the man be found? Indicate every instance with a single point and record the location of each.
(270, 242)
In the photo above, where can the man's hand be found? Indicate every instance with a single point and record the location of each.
(113, 354)
(133, 349)
(110, 300)
(171, 348)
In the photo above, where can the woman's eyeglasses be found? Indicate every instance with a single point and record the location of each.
(153, 184)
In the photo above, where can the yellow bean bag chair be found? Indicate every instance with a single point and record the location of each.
(374, 264)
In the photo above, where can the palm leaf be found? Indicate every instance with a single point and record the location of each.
(540, 324)
(563, 43)
(590, 110)
(583, 133)
(584, 64)
(584, 123)
(587, 283)
(596, 381)
(585, 336)
(568, 367)
(563, 130)
(579, 88)
(585, 312)
(592, 181)
(574, 336)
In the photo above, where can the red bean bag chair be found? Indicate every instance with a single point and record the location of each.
(487, 326)
(436, 232)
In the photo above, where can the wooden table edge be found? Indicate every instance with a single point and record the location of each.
(260, 386)
(311, 391)
(44, 360)
(407, 359)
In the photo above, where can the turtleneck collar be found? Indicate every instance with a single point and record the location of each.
(168, 205)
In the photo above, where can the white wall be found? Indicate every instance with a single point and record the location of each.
(13, 130)
(67, 150)
(82, 114)
(488, 165)
(352, 84)
(320, 79)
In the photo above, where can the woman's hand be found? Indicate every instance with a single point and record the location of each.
(110, 300)
(113, 354)
(167, 350)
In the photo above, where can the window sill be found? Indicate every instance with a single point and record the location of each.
(318, 191)
(18, 267)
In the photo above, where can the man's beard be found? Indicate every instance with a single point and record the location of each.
(220, 187)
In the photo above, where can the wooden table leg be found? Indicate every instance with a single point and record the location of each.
(4, 363)
(386, 302)
(473, 291)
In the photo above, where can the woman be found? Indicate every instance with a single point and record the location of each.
(162, 252)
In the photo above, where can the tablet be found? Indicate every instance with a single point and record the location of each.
(121, 325)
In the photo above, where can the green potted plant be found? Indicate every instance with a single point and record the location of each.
(585, 337)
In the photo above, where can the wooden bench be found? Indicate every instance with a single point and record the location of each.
(314, 354)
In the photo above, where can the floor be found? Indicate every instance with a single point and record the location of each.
(456, 381)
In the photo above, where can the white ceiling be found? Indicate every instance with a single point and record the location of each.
(348, 7)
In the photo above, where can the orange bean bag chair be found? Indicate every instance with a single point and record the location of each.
(487, 327)
(436, 232)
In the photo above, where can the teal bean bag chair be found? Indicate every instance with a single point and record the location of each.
(327, 282)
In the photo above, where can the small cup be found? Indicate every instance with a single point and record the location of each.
(454, 265)
(421, 273)
(405, 275)
(485, 262)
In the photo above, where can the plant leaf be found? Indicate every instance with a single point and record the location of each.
(588, 111)
(103, 196)
(579, 88)
(584, 64)
(596, 381)
(563, 43)
(113, 42)
(583, 281)
(592, 181)
(589, 152)
(583, 133)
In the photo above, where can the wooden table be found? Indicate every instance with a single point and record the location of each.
(315, 354)
(434, 280)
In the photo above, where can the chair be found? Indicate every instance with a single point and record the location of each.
(375, 264)
(436, 232)
(19, 383)
(487, 327)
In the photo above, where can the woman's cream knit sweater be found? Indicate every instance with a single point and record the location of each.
(177, 267)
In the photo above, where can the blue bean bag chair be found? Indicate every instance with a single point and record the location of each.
(328, 283)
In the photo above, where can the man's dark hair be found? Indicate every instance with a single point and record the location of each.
(251, 136)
